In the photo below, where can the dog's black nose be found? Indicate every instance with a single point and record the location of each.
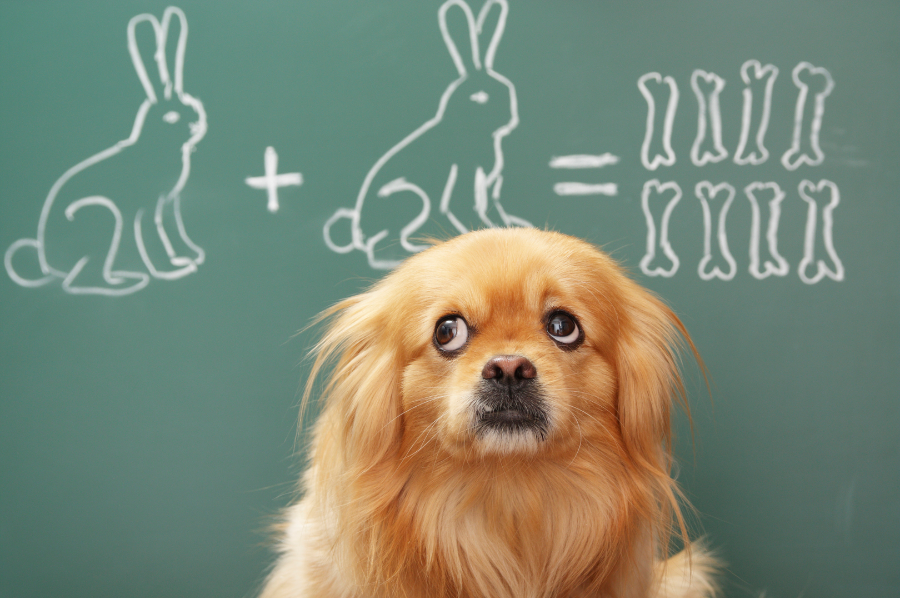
(509, 370)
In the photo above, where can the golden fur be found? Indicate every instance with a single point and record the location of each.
(404, 499)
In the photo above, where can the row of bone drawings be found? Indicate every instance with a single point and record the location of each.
(806, 126)
(811, 268)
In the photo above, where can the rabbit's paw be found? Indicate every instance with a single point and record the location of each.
(182, 265)
(514, 221)
(176, 273)
(182, 252)
(184, 261)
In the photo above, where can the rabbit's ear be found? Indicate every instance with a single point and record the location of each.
(150, 40)
(174, 30)
(492, 22)
(469, 58)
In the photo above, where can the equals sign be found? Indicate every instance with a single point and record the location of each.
(585, 161)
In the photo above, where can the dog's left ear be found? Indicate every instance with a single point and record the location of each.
(362, 396)
(650, 338)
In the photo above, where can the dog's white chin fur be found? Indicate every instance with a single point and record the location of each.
(503, 442)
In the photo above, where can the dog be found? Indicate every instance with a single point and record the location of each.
(496, 424)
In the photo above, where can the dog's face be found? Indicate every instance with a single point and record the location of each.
(507, 342)
(513, 347)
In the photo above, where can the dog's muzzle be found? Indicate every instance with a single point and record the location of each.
(509, 397)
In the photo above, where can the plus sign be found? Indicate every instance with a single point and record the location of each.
(271, 181)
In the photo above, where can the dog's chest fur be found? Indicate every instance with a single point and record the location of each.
(503, 533)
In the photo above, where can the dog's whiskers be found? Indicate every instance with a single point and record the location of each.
(419, 404)
(602, 424)
(423, 444)
(580, 438)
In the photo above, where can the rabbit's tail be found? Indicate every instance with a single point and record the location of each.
(42, 278)
(341, 214)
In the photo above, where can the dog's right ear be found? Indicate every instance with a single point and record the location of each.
(361, 399)
(649, 380)
(650, 384)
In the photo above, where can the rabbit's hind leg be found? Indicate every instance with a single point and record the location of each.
(487, 203)
(90, 275)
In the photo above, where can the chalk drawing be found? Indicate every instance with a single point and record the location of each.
(272, 181)
(706, 192)
(671, 106)
(768, 73)
(658, 236)
(608, 189)
(708, 112)
(584, 161)
(477, 83)
(805, 124)
(763, 268)
(166, 105)
(834, 270)
(581, 161)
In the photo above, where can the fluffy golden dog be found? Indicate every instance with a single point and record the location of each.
(496, 425)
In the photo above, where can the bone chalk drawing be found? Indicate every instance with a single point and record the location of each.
(709, 117)
(761, 267)
(667, 158)
(804, 123)
(658, 236)
(709, 194)
(814, 84)
(476, 91)
(768, 74)
(813, 268)
(658, 200)
(167, 113)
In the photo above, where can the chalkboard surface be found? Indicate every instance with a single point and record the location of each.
(182, 189)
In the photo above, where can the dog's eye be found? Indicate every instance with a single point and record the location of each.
(451, 333)
(562, 328)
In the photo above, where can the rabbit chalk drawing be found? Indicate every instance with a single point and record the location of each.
(115, 250)
(425, 165)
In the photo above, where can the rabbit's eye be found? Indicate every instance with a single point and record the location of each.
(480, 96)
(171, 117)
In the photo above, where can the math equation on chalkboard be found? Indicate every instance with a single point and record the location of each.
(455, 187)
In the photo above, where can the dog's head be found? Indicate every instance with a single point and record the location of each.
(499, 343)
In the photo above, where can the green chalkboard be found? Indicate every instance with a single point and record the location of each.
(741, 158)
